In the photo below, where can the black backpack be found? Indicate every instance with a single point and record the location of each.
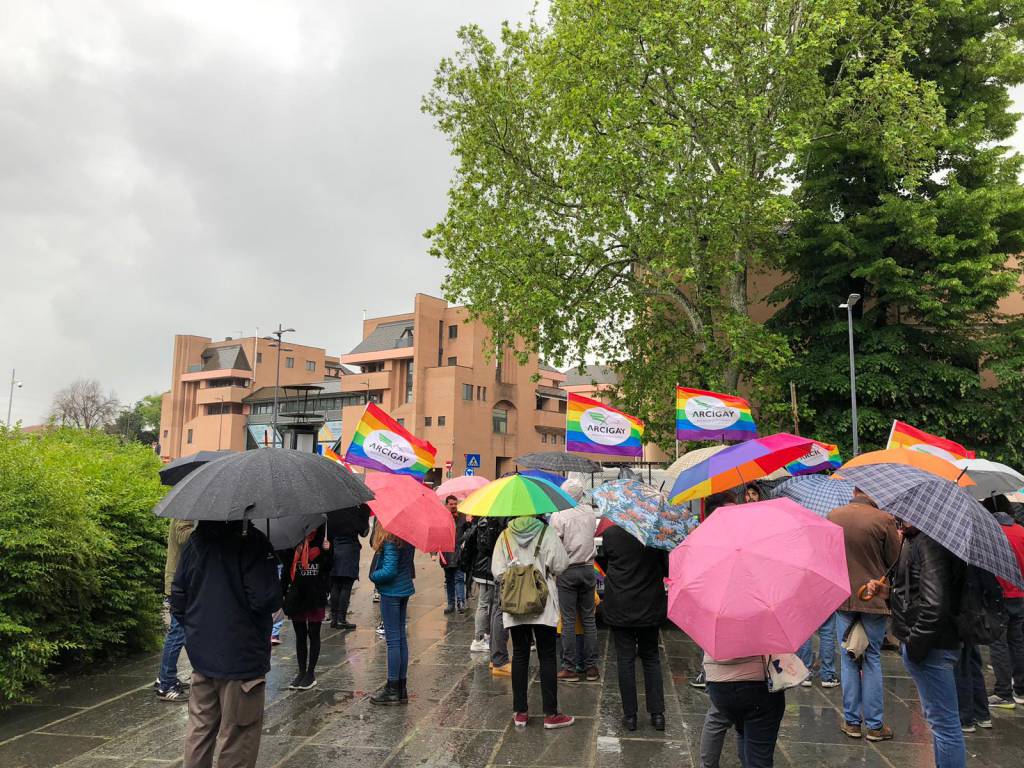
(982, 617)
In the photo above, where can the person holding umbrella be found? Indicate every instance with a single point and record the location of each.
(168, 686)
(305, 584)
(394, 574)
(1008, 651)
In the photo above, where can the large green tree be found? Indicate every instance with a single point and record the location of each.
(932, 260)
(621, 167)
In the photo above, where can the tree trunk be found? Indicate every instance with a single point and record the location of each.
(738, 305)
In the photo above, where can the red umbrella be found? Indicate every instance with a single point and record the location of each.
(411, 511)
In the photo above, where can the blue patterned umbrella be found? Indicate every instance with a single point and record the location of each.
(818, 493)
(644, 512)
(941, 510)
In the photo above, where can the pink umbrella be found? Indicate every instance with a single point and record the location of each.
(460, 487)
(411, 511)
(757, 578)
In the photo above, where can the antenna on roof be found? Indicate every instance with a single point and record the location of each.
(364, 315)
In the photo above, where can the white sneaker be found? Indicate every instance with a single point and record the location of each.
(480, 646)
(1018, 699)
(806, 683)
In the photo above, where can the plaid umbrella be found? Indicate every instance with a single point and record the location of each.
(818, 493)
(644, 512)
(941, 510)
(557, 461)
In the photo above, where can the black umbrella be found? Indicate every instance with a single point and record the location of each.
(177, 470)
(558, 461)
(265, 483)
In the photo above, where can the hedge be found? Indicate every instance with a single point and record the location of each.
(81, 554)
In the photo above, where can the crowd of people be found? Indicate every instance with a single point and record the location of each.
(535, 584)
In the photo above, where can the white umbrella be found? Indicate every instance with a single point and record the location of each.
(990, 477)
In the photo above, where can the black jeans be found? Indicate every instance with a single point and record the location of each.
(545, 637)
(970, 686)
(756, 713)
(341, 594)
(642, 642)
(1008, 652)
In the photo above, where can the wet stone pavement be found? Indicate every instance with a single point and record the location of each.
(458, 714)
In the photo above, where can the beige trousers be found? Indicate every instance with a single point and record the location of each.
(226, 715)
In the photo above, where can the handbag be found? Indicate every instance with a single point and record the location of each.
(784, 671)
(855, 641)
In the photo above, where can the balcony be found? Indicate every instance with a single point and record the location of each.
(361, 382)
(550, 420)
(209, 395)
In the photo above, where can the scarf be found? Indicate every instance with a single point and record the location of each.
(304, 553)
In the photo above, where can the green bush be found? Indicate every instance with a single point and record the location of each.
(81, 554)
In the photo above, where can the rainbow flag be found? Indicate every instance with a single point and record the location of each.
(821, 457)
(383, 444)
(903, 435)
(593, 427)
(702, 415)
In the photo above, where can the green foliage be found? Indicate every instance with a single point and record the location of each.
(932, 262)
(622, 166)
(81, 553)
(141, 422)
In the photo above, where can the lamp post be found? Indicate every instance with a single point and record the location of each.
(851, 300)
(276, 336)
(10, 397)
(220, 421)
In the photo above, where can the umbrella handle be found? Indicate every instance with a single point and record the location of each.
(867, 591)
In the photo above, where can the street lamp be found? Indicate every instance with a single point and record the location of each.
(277, 379)
(851, 300)
(10, 397)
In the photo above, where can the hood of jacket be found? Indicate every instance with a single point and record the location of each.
(525, 529)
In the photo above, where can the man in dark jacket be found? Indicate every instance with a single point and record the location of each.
(925, 600)
(478, 540)
(345, 532)
(872, 548)
(225, 592)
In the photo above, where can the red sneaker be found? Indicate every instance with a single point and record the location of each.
(558, 721)
(520, 719)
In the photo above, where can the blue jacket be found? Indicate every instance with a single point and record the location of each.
(394, 572)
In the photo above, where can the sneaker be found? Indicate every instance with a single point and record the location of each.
(558, 721)
(183, 683)
(851, 729)
(1001, 703)
(699, 681)
(376, 596)
(879, 734)
(593, 675)
(505, 670)
(968, 728)
(480, 646)
(346, 626)
(461, 608)
(297, 682)
(833, 683)
(520, 719)
(380, 629)
(449, 610)
(275, 640)
(1018, 699)
(308, 681)
(984, 723)
(568, 676)
(174, 693)
(806, 683)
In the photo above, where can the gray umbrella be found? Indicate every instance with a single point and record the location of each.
(558, 461)
(177, 470)
(940, 509)
(262, 484)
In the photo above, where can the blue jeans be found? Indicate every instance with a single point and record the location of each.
(455, 586)
(173, 643)
(936, 683)
(863, 693)
(393, 613)
(827, 649)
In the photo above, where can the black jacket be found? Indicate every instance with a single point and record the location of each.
(634, 582)
(478, 540)
(224, 593)
(345, 531)
(309, 588)
(926, 597)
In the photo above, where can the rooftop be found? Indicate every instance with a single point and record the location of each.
(592, 374)
(394, 335)
(225, 358)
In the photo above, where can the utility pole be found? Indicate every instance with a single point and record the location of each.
(848, 306)
(10, 397)
(793, 409)
(220, 421)
(277, 336)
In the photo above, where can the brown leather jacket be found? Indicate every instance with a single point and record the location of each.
(872, 549)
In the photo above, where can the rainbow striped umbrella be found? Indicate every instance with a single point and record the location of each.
(738, 465)
(516, 496)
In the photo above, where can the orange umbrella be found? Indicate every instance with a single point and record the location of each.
(909, 457)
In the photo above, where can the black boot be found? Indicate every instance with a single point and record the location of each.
(387, 695)
(344, 624)
(335, 622)
(403, 691)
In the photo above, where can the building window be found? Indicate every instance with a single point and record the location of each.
(481, 394)
(165, 433)
(499, 421)
(428, 421)
(259, 358)
(544, 437)
(440, 421)
(189, 439)
(373, 367)
(408, 380)
(467, 391)
(453, 361)
(561, 406)
(401, 422)
(311, 365)
(289, 362)
(453, 331)
(540, 403)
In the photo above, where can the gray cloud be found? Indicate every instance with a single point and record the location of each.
(198, 167)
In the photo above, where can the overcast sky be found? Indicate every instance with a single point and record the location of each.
(210, 167)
